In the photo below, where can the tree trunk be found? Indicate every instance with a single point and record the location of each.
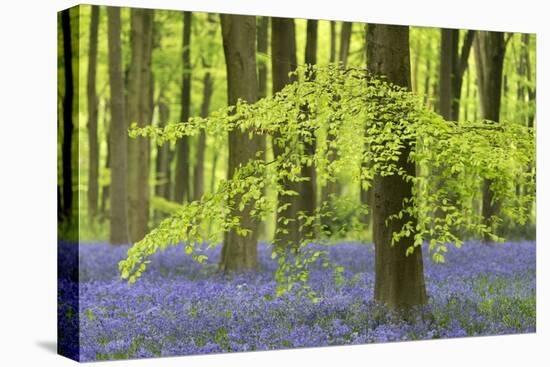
(105, 188)
(93, 145)
(118, 133)
(208, 85)
(163, 156)
(239, 253)
(262, 45)
(489, 50)
(399, 279)
(332, 57)
(459, 68)
(182, 189)
(283, 61)
(139, 111)
(449, 44)
(345, 39)
(308, 193)
(68, 124)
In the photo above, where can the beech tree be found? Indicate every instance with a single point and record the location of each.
(239, 250)
(283, 62)
(93, 144)
(68, 124)
(490, 48)
(452, 66)
(139, 112)
(399, 281)
(182, 189)
(118, 134)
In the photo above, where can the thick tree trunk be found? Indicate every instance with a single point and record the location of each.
(399, 279)
(68, 124)
(93, 145)
(118, 134)
(182, 189)
(239, 253)
(208, 85)
(448, 53)
(283, 61)
(489, 50)
(140, 112)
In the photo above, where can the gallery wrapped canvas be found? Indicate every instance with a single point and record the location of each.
(231, 183)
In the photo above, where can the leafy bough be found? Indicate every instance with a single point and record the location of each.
(372, 122)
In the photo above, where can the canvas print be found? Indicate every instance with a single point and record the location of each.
(232, 183)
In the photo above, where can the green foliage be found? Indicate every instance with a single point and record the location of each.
(374, 122)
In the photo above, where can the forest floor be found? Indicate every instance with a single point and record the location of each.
(179, 307)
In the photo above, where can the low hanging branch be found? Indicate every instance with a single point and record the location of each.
(369, 112)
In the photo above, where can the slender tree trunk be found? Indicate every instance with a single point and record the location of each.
(345, 39)
(332, 57)
(399, 279)
(239, 253)
(262, 45)
(459, 68)
(93, 145)
(182, 189)
(68, 124)
(283, 61)
(333, 188)
(163, 156)
(308, 194)
(489, 50)
(208, 85)
(140, 112)
(105, 188)
(118, 133)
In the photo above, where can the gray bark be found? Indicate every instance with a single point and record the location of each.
(118, 134)
(239, 253)
(399, 279)
(93, 144)
(182, 189)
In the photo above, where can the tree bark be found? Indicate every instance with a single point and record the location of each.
(93, 144)
(489, 49)
(283, 61)
(163, 156)
(118, 134)
(68, 124)
(105, 188)
(308, 192)
(262, 45)
(140, 112)
(239, 253)
(345, 39)
(182, 189)
(332, 56)
(449, 44)
(399, 279)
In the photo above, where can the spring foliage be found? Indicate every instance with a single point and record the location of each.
(373, 121)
